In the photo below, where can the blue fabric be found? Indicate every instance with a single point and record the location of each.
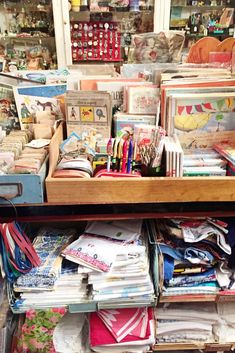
(186, 280)
(168, 268)
(185, 254)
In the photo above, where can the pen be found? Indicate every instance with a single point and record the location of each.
(124, 153)
(119, 154)
(114, 159)
(109, 151)
(134, 156)
(129, 158)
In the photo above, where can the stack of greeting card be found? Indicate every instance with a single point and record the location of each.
(140, 99)
(201, 112)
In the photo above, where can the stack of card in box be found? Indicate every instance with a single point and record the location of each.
(56, 282)
(16, 157)
(117, 256)
(203, 162)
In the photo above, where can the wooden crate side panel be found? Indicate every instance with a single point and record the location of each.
(145, 190)
(54, 149)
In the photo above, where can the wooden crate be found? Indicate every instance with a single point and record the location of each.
(136, 190)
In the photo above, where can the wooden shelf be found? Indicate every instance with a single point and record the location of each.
(208, 347)
(190, 298)
(26, 38)
(204, 7)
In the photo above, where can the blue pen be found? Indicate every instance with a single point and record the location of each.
(129, 158)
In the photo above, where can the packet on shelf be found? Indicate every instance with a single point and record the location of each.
(18, 157)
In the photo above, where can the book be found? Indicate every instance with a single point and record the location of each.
(227, 150)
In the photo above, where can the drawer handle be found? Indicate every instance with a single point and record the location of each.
(10, 190)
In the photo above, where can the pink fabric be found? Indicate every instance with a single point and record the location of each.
(99, 334)
(123, 322)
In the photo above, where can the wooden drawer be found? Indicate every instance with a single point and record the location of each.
(136, 190)
(24, 188)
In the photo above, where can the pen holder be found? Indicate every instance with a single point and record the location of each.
(104, 173)
(149, 171)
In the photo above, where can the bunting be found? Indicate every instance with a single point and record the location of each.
(226, 104)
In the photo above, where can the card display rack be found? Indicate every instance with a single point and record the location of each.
(127, 23)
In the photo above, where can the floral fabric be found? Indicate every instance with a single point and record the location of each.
(37, 331)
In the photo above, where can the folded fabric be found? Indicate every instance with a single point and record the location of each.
(188, 311)
(123, 322)
(99, 253)
(203, 231)
(68, 336)
(37, 332)
(101, 335)
(188, 254)
(126, 230)
(204, 288)
(183, 326)
(187, 280)
(48, 244)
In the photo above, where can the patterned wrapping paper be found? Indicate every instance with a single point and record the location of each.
(49, 244)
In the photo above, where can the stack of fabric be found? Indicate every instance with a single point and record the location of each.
(117, 258)
(57, 281)
(184, 323)
(192, 250)
(225, 330)
(121, 330)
